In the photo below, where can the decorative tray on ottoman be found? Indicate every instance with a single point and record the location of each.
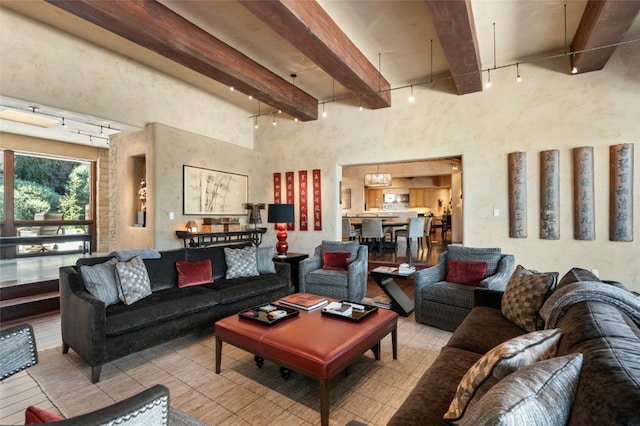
(354, 316)
(268, 314)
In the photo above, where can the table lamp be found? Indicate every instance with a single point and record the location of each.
(281, 214)
(191, 226)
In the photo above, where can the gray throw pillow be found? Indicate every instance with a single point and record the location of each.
(100, 281)
(133, 280)
(241, 262)
(264, 258)
(525, 294)
(540, 394)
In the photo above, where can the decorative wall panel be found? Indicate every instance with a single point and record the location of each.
(518, 195)
(621, 192)
(304, 206)
(550, 195)
(290, 192)
(584, 227)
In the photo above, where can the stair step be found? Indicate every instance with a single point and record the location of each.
(14, 291)
(29, 305)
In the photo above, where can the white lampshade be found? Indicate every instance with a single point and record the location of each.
(377, 179)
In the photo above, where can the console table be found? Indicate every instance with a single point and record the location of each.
(204, 239)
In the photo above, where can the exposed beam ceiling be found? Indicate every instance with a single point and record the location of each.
(307, 26)
(456, 31)
(603, 23)
(159, 29)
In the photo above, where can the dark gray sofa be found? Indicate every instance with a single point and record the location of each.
(100, 335)
(608, 390)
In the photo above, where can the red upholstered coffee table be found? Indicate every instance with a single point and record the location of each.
(312, 344)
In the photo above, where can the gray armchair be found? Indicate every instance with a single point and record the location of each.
(348, 284)
(444, 304)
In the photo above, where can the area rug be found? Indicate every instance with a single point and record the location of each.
(243, 394)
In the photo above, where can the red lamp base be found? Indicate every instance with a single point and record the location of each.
(282, 246)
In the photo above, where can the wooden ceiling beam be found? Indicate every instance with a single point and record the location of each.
(455, 27)
(603, 23)
(308, 27)
(155, 27)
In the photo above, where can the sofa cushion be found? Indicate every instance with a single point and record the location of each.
(228, 291)
(241, 262)
(215, 254)
(491, 256)
(100, 281)
(162, 272)
(469, 273)
(338, 261)
(451, 294)
(525, 294)
(341, 247)
(133, 281)
(194, 273)
(483, 329)
(539, 394)
(264, 259)
(159, 307)
(499, 362)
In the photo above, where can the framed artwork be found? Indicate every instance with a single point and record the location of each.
(345, 198)
(213, 192)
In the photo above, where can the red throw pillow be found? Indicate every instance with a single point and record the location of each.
(35, 415)
(194, 273)
(336, 261)
(469, 273)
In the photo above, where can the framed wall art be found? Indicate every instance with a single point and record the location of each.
(213, 192)
(345, 198)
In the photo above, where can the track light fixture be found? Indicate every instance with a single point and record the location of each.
(411, 98)
(487, 85)
(518, 78)
(274, 120)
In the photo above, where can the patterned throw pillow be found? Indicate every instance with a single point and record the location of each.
(133, 281)
(540, 394)
(499, 362)
(241, 262)
(264, 258)
(525, 294)
(100, 281)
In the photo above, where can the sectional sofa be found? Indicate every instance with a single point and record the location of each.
(101, 331)
(598, 382)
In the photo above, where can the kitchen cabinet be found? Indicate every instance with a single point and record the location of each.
(375, 198)
(420, 197)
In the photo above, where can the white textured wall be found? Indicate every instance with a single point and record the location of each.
(548, 110)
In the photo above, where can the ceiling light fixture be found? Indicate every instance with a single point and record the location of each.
(231, 88)
(518, 78)
(377, 180)
(487, 85)
(324, 113)
(274, 120)
(411, 98)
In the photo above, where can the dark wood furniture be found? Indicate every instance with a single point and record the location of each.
(290, 345)
(48, 239)
(400, 303)
(294, 260)
(204, 239)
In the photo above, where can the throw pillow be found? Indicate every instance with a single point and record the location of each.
(34, 415)
(489, 255)
(241, 262)
(194, 273)
(336, 261)
(133, 280)
(576, 275)
(540, 394)
(264, 258)
(341, 247)
(469, 273)
(499, 362)
(100, 281)
(525, 294)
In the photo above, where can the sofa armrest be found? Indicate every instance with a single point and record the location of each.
(488, 298)
(82, 318)
(499, 280)
(307, 265)
(358, 275)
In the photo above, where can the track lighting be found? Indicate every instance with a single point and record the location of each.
(231, 88)
(518, 78)
(411, 98)
(274, 120)
(324, 113)
(255, 122)
(487, 85)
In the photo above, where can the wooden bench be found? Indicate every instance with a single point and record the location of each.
(48, 239)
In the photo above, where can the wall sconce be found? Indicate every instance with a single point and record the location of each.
(281, 214)
(192, 226)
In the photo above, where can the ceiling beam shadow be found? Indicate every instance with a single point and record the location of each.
(157, 28)
(308, 27)
(603, 23)
(455, 27)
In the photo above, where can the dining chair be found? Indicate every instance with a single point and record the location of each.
(427, 231)
(372, 230)
(347, 230)
(415, 229)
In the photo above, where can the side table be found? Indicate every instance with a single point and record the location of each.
(294, 260)
(400, 303)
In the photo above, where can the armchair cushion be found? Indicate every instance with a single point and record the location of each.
(35, 415)
(525, 294)
(491, 256)
(337, 261)
(469, 273)
(194, 273)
